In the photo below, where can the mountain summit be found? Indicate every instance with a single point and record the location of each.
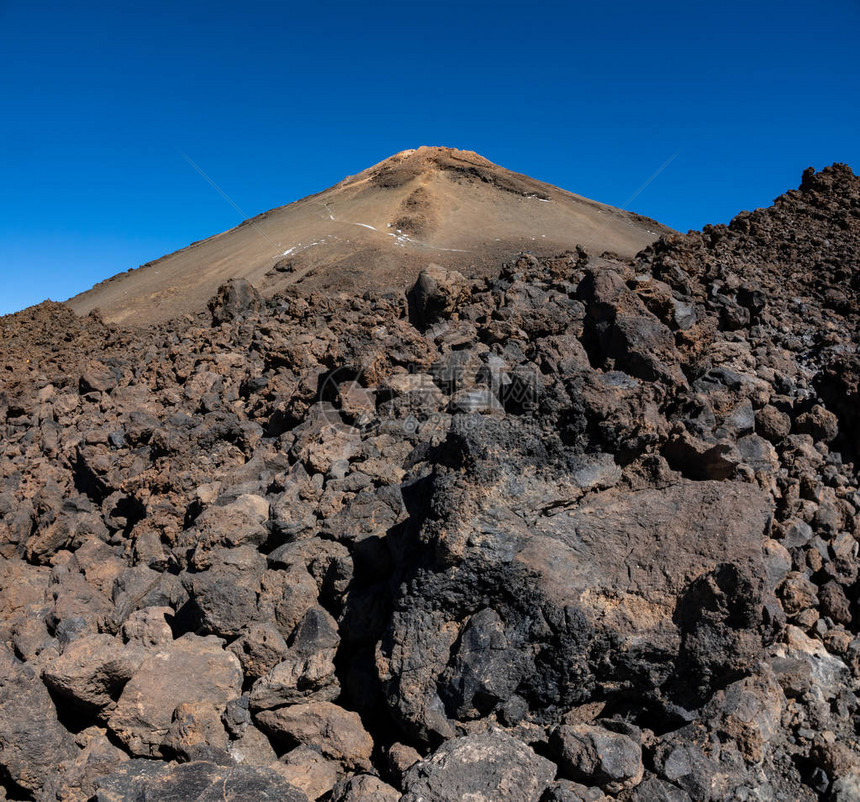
(374, 229)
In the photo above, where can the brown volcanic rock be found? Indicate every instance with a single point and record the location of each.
(191, 669)
(376, 229)
(337, 733)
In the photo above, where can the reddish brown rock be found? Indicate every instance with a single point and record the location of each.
(338, 733)
(189, 670)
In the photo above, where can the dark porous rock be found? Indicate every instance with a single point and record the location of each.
(834, 603)
(819, 422)
(492, 767)
(32, 741)
(199, 781)
(561, 585)
(224, 598)
(596, 756)
(772, 423)
(485, 671)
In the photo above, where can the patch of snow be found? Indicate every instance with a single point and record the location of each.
(365, 225)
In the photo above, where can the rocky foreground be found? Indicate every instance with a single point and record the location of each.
(584, 530)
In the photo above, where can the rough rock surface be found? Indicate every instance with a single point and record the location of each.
(585, 529)
(491, 767)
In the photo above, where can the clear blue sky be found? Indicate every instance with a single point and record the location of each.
(277, 100)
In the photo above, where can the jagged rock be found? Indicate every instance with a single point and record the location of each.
(484, 768)
(596, 756)
(569, 791)
(435, 294)
(307, 670)
(196, 733)
(819, 422)
(259, 648)
(236, 523)
(364, 788)
(568, 564)
(308, 770)
(148, 627)
(640, 514)
(92, 671)
(251, 747)
(233, 299)
(338, 733)
(32, 741)
(224, 598)
(76, 778)
(189, 670)
(772, 424)
(656, 790)
(401, 758)
(200, 781)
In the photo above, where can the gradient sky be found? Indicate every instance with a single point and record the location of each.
(98, 102)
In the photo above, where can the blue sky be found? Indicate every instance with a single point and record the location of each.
(98, 102)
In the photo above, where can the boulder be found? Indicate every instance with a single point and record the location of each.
(32, 741)
(337, 733)
(199, 781)
(491, 767)
(233, 299)
(92, 671)
(596, 756)
(436, 294)
(191, 669)
(307, 769)
(364, 788)
(307, 670)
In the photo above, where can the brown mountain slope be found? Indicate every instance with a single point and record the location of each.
(374, 229)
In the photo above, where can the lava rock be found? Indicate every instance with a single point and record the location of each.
(491, 767)
(191, 669)
(596, 756)
(32, 741)
(337, 733)
(200, 781)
